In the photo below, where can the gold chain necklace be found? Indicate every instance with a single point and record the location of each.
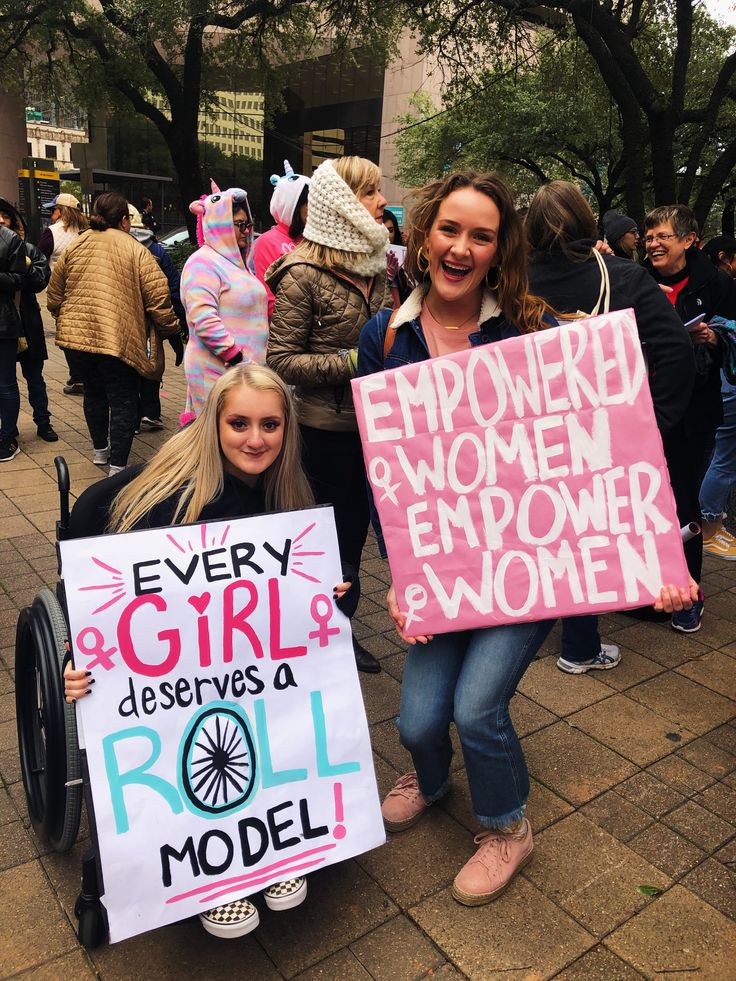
(472, 317)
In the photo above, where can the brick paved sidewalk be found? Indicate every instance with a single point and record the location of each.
(634, 784)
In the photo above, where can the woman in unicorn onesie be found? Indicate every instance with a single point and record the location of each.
(225, 304)
(289, 208)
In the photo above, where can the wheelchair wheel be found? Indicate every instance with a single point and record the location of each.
(47, 727)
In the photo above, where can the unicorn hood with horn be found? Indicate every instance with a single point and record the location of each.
(226, 306)
(277, 241)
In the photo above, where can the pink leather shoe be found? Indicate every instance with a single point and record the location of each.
(404, 805)
(494, 865)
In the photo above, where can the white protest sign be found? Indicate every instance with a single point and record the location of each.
(226, 737)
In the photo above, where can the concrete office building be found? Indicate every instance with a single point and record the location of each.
(333, 107)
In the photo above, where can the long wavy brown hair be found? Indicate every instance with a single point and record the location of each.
(561, 220)
(518, 305)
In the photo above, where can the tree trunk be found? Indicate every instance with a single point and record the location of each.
(632, 134)
(727, 222)
(184, 149)
(662, 142)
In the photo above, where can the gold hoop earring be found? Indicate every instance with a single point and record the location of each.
(422, 258)
(492, 283)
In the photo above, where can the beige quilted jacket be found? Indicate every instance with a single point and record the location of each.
(109, 296)
(317, 318)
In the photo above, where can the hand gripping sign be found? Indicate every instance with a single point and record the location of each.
(226, 740)
(522, 480)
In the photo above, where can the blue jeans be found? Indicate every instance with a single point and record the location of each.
(9, 394)
(580, 638)
(721, 475)
(470, 677)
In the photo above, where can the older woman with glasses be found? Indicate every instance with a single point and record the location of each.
(226, 306)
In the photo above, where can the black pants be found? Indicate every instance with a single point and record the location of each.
(32, 367)
(334, 465)
(74, 376)
(687, 457)
(149, 401)
(110, 402)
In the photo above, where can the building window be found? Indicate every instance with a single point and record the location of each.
(50, 151)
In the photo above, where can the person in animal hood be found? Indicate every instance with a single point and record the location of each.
(289, 207)
(226, 306)
(32, 353)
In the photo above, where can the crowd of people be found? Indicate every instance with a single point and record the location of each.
(275, 334)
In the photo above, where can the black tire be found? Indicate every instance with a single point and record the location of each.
(47, 729)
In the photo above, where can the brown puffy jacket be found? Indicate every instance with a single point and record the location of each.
(109, 296)
(317, 318)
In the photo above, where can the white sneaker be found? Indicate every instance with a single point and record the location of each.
(231, 920)
(607, 657)
(113, 470)
(148, 424)
(287, 894)
(101, 457)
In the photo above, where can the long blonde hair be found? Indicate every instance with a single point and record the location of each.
(359, 174)
(191, 462)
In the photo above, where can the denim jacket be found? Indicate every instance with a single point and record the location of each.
(409, 346)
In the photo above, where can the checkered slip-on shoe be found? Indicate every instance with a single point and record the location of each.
(231, 920)
(287, 894)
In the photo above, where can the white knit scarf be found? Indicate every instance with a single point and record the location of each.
(338, 220)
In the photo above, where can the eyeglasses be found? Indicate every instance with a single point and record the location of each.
(243, 226)
(651, 239)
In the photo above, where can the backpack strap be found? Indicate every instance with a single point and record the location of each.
(389, 337)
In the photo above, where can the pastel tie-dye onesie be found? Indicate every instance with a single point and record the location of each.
(226, 305)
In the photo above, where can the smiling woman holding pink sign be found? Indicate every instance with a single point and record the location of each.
(466, 247)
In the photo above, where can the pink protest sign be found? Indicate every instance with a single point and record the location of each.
(522, 480)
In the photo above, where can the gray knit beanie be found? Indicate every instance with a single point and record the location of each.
(615, 225)
(338, 220)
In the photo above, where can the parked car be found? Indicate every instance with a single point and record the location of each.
(178, 236)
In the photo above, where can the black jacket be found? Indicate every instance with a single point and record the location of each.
(570, 285)
(90, 515)
(33, 279)
(12, 266)
(712, 292)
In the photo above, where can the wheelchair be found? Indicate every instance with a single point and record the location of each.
(51, 761)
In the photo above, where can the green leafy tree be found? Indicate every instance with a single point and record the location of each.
(166, 58)
(667, 65)
(535, 122)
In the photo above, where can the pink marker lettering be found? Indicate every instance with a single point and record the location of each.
(125, 640)
(278, 653)
(233, 621)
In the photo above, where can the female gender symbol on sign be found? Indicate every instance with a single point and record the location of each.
(96, 647)
(416, 599)
(383, 479)
(322, 617)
